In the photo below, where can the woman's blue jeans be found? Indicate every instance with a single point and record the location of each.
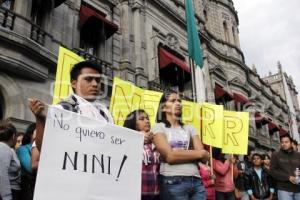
(181, 188)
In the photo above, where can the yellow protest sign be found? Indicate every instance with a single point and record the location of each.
(150, 103)
(126, 98)
(62, 87)
(212, 124)
(191, 114)
(236, 127)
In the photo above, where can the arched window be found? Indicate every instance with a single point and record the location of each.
(234, 35)
(226, 34)
(205, 15)
(8, 4)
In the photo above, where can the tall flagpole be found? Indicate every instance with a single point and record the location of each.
(192, 67)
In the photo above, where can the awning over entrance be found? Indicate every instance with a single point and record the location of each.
(272, 127)
(220, 92)
(166, 58)
(261, 119)
(88, 14)
(282, 131)
(238, 98)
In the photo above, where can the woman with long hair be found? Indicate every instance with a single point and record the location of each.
(180, 149)
(266, 162)
(139, 120)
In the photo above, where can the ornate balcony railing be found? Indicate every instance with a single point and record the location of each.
(106, 67)
(27, 29)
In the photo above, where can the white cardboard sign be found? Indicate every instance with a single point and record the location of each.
(86, 159)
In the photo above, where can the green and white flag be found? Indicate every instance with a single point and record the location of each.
(195, 51)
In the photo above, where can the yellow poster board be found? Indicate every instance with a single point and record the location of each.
(62, 86)
(126, 98)
(212, 124)
(224, 129)
(236, 128)
(150, 103)
(191, 114)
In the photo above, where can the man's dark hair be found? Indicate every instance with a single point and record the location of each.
(287, 136)
(257, 155)
(7, 131)
(75, 71)
(130, 121)
(28, 134)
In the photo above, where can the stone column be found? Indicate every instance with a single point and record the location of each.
(139, 44)
(126, 70)
(209, 90)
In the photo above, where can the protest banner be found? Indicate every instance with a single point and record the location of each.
(82, 158)
(150, 103)
(236, 128)
(212, 124)
(126, 98)
(191, 114)
(62, 86)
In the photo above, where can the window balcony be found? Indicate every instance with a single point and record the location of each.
(30, 51)
(106, 67)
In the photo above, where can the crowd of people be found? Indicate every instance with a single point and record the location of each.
(176, 165)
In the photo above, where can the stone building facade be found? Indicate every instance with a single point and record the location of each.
(142, 41)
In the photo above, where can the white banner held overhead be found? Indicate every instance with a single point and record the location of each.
(82, 158)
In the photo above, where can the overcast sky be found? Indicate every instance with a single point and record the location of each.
(270, 32)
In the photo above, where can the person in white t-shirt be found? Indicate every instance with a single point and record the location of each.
(181, 150)
(85, 82)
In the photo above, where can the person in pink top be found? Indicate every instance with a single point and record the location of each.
(224, 178)
(208, 180)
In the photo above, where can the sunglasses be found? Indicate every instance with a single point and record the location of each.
(91, 78)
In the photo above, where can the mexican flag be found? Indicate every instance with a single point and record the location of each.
(195, 51)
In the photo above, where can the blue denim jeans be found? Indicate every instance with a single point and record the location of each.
(284, 195)
(181, 188)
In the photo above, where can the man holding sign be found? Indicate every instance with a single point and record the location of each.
(85, 82)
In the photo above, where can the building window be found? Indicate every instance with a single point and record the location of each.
(8, 4)
(92, 38)
(240, 102)
(226, 33)
(205, 15)
(222, 97)
(261, 122)
(174, 72)
(39, 12)
(234, 36)
(95, 30)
